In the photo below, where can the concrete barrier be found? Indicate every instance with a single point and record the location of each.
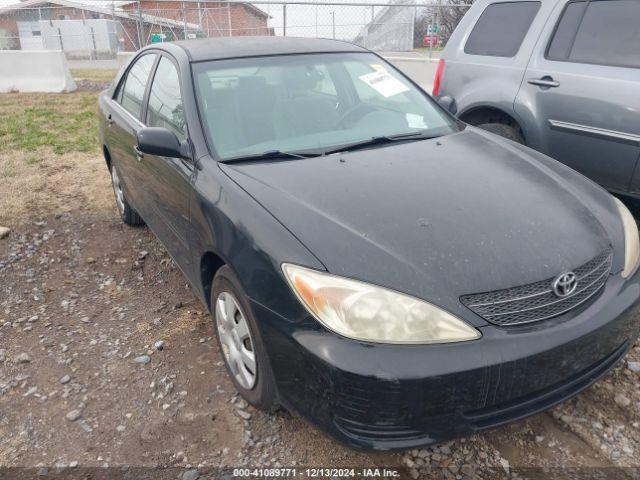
(34, 71)
(421, 70)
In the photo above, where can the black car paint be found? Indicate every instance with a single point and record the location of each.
(394, 207)
(410, 217)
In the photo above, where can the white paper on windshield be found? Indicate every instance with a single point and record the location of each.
(415, 121)
(383, 83)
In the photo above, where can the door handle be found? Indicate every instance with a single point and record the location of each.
(544, 82)
(110, 120)
(139, 154)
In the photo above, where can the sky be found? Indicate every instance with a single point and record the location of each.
(303, 20)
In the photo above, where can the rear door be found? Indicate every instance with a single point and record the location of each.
(124, 121)
(582, 89)
(167, 181)
(487, 55)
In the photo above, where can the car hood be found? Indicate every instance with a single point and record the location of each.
(439, 218)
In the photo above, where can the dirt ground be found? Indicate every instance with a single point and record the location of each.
(107, 359)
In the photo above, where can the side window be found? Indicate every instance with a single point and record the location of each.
(562, 40)
(607, 32)
(165, 102)
(501, 29)
(135, 84)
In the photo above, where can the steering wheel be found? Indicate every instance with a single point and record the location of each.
(354, 113)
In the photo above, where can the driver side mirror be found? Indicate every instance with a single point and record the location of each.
(162, 142)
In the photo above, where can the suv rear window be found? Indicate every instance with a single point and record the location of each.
(501, 29)
(603, 32)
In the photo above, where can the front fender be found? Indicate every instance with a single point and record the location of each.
(230, 223)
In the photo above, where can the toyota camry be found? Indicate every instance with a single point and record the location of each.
(385, 271)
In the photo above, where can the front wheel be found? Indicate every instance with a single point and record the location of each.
(127, 213)
(240, 342)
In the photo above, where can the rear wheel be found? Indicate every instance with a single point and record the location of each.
(127, 213)
(240, 343)
(506, 131)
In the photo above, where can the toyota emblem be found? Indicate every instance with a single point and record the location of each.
(565, 284)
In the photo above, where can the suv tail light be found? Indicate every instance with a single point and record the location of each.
(436, 81)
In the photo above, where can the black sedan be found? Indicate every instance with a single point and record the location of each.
(389, 273)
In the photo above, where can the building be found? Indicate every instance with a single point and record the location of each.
(214, 18)
(100, 29)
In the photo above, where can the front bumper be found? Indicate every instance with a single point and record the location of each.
(398, 397)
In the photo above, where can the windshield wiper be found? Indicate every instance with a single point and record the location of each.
(380, 141)
(278, 154)
(269, 155)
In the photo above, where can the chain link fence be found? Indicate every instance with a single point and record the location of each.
(99, 29)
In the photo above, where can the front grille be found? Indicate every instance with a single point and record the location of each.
(537, 301)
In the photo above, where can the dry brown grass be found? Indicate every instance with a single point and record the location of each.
(102, 75)
(56, 184)
(49, 157)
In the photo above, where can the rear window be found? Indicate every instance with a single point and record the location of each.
(501, 29)
(603, 32)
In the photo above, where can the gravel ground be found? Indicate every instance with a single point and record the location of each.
(107, 359)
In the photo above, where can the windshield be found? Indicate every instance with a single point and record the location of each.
(293, 103)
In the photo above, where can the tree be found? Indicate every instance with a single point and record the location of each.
(446, 13)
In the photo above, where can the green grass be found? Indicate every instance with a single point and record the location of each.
(62, 123)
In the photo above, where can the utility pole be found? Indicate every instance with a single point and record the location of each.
(333, 24)
(115, 29)
(430, 35)
(139, 25)
(184, 16)
(284, 19)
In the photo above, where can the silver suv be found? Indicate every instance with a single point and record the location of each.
(561, 76)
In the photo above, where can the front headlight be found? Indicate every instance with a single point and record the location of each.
(631, 242)
(365, 312)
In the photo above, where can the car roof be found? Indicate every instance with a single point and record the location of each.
(238, 47)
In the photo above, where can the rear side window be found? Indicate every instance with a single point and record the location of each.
(501, 29)
(603, 32)
(165, 102)
(135, 85)
(562, 41)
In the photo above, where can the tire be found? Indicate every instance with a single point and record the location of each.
(261, 393)
(127, 213)
(504, 130)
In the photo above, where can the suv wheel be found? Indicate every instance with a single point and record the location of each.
(506, 131)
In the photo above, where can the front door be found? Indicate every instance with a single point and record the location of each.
(167, 182)
(124, 121)
(583, 85)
